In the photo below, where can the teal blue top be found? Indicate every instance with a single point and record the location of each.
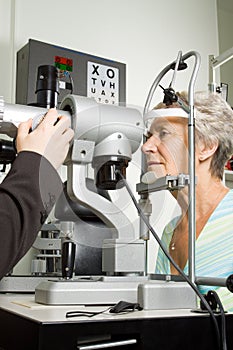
(213, 250)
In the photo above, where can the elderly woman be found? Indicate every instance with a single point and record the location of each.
(167, 153)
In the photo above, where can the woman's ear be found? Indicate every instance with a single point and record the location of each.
(205, 152)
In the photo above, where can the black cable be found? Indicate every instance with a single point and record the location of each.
(122, 307)
(71, 82)
(222, 312)
(202, 298)
(78, 313)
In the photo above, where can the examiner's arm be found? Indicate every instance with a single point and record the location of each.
(27, 195)
(32, 186)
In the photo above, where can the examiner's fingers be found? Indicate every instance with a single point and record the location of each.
(24, 128)
(68, 135)
(64, 120)
(63, 124)
(22, 133)
(49, 119)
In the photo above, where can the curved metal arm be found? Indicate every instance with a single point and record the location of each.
(166, 70)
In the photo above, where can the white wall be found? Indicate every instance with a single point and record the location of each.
(225, 25)
(144, 34)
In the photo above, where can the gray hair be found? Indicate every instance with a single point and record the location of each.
(213, 124)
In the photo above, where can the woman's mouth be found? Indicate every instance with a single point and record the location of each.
(151, 163)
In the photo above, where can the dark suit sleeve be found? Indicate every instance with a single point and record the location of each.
(27, 195)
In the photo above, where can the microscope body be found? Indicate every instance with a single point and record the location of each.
(105, 137)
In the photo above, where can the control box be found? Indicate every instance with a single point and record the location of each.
(78, 73)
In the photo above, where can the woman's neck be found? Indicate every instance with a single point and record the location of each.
(208, 196)
(209, 193)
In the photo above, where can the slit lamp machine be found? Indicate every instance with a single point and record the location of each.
(105, 137)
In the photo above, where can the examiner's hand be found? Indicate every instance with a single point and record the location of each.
(51, 138)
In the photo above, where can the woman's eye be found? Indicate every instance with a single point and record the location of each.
(148, 135)
(163, 133)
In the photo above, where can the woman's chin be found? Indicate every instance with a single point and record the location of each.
(151, 176)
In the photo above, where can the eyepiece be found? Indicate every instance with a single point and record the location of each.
(47, 86)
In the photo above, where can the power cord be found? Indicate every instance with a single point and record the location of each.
(217, 307)
(122, 307)
(78, 313)
(221, 342)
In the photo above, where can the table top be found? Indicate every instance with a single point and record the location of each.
(24, 305)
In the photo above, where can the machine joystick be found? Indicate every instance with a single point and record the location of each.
(68, 258)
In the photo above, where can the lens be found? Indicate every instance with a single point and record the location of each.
(108, 178)
(47, 88)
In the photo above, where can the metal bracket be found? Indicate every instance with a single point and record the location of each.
(168, 182)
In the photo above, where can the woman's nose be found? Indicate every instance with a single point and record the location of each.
(151, 145)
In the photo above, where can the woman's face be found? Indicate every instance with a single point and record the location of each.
(166, 146)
